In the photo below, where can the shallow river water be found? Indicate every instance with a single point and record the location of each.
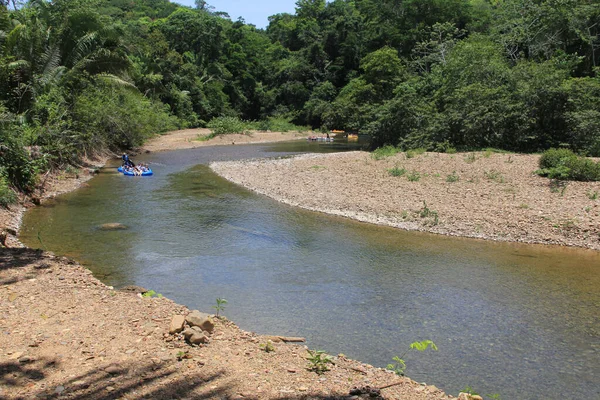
(521, 321)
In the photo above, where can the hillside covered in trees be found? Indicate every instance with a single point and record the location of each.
(79, 76)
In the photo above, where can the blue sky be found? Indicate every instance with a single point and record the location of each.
(253, 12)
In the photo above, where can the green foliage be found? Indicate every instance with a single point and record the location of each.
(494, 175)
(415, 152)
(413, 176)
(563, 164)
(227, 125)
(593, 195)
(151, 293)
(80, 77)
(277, 124)
(318, 361)
(399, 365)
(7, 195)
(426, 212)
(268, 347)
(385, 151)
(453, 177)
(220, 305)
(397, 171)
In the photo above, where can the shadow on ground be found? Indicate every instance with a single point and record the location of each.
(25, 379)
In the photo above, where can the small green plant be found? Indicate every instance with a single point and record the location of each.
(151, 293)
(400, 365)
(414, 152)
(469, 390)
(318, 167)
(396, 171)
(470, 158)
(524, 206)
(183, 354)
(318, 361)
(494, 175)
(220, 306)
(592, 195)
(426, 212)
(413, 176)
(267, 347)
(385, 151)
(453, 177)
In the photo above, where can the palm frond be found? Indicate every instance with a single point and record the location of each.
(116, 81)
(18, 64)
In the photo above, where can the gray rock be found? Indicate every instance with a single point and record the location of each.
(202, 320)
(59, 389)
(133, 289)
(195, 335)
(113, 226)
(198, 338)
(176, 324)
(114, 369)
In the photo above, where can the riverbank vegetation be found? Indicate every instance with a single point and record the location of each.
(78, 77)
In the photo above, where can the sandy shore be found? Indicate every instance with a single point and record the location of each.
(65, 334)
(189, 139)
(479, 195)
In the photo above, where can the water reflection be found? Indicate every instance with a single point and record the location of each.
(512, 319)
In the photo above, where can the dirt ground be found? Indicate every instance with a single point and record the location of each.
(480, 195)
(64, 334)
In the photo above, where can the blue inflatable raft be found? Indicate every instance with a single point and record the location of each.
(130, 173)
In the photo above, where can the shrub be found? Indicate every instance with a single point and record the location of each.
(385, 151)
(563, 164)
(414, 152)
(227, 125)
(7, 195)
(554, 157)
(277, 124)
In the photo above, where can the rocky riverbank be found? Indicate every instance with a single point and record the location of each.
(480, 195)
(65, 334)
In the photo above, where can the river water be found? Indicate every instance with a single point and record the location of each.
(520, 321)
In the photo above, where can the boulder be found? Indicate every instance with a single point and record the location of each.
(202, 320)
(113, 226)
(176, 324)
(195, 335)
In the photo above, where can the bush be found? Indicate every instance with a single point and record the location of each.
(563, 164)
(7, 195)
(554, 157)
(277, 124)
(385, 151)
(227, 125)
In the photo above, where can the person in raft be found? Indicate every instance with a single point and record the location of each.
(126, 161)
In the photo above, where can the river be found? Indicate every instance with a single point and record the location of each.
(520, 321)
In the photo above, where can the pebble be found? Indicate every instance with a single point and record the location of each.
(59, 389)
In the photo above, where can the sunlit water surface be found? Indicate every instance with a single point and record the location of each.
(516, 320)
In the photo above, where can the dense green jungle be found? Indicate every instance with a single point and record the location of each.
(79, 77)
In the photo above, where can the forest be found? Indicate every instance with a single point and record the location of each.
(82, 76)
